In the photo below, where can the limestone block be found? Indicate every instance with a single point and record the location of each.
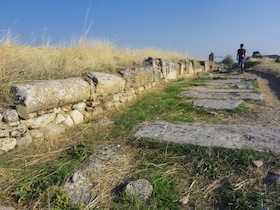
(98, 111)
(77, 117)
(7, 144)
(24, 141)
(108, 105)
(106, 84)
(60, 118)
(36, 134)
(172, 74)
(80, 106)
(52, 130)
(116, 97)
(68, 121)
(123, 99)
(4, 133)
(10, 115)
(40, 121)
(15, 123)
(18, 131)
(57, 110)
(49, 94)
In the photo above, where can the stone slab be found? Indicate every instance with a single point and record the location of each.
(226, 96)
(216, 104)
(220, 90)
(264, 139)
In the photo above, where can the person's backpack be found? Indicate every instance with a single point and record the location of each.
(241, 53)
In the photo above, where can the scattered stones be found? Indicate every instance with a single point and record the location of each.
(141, 188)
(258, 163)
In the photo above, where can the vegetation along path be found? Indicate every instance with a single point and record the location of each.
(205, 143)
(226, 93)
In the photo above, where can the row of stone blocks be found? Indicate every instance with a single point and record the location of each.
(48, 108)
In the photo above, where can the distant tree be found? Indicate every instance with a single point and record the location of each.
(228, 60)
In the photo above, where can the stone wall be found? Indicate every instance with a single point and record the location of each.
(47, 109)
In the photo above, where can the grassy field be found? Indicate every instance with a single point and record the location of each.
(26, 63)
(211, 178)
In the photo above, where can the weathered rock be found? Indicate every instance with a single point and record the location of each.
(271, 178)
(7, 144)
(10, 115)
(60, 118)
(2, 207)
(77, 117)
(264, 139)
(216, 104)
(78, 188)
(80, 106)
(40, 121)
(49, 94)
(258, 163)
(221, 95)
(1, 117)
(138, 77)
(36, 134)
(18, 131)
(68, 121)
(106, 84)
(52, 130)
(24, 141)
(140, 187)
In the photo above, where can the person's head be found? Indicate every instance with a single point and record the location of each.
(241, 45)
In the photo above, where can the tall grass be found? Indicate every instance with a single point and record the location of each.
(24, 63)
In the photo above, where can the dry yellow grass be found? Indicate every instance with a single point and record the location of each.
(25, 63)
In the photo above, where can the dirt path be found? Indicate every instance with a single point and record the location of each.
(267, 113)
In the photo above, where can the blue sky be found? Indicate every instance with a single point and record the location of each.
(191, 27)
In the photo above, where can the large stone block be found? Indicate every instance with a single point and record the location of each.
(49, 94)
(105, 84)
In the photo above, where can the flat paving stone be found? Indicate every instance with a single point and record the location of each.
(221, 95)
(223, 81)
(264, 139)
(216, 104)
(220, 90)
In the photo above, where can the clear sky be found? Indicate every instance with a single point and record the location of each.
(191, 27)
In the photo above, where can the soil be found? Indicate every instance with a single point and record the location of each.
(266, 113)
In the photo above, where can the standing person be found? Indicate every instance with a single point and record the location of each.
(241, 55)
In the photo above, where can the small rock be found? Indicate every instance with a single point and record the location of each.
(271, 178)
(258, 163)
(185, 200)
(24, 141)
(10, 115)
(140, 187)
(7, 144)
(77, 116)
(6, 207)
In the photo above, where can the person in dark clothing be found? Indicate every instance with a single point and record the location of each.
(241, 55)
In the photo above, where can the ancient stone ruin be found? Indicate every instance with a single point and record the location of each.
(46, 109)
